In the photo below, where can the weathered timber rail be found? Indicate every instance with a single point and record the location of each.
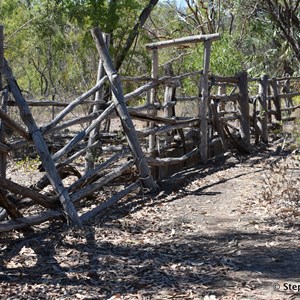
(133, 139)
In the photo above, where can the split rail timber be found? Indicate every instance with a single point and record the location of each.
(161, 134)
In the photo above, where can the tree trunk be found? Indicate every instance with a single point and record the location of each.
(134, 33)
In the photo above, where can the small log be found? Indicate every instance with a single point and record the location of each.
(289, 95)
(90, 189)
(26, 192)
(171, 160)
(107, 204)
(4, 148)
(41, 148)
(63, 170)
(171, 121)
(291, 108)
(233, 97)
(75, 121)
(10, 208)
(88, 176)
(77, 154)
(223, 79)
(24, 222)
(286, 78)
(183, 40)
(167, 128)
(13, 125)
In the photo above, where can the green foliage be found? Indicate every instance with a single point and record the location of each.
(50, 45)
(52, 51)
(28, 164)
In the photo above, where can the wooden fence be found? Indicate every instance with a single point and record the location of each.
(227, 113)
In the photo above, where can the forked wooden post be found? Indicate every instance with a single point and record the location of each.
(203, 105)
(121, 108)
(42, 149)
(244, 109)
(263, 91)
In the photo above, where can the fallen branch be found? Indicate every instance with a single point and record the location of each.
(113, 200)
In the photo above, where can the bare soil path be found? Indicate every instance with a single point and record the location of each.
(209, 238)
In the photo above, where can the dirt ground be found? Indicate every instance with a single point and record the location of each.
(216, 235)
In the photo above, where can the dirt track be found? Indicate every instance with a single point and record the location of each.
(210, 239)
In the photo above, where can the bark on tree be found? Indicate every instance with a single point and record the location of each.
(134, 33)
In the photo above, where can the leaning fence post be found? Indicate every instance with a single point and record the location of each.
(244, 109)
(263, 91)
(42, 149)
(203, 106)
(122, 111)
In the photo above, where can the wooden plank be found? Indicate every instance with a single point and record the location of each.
(121, 108)
(42, 149)
(183, 41)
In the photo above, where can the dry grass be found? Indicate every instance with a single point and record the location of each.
(281, 190)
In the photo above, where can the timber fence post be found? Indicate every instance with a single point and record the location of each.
(121, 108)
(263, 91)
(153, 96)
(244, 109)
(203, 106)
